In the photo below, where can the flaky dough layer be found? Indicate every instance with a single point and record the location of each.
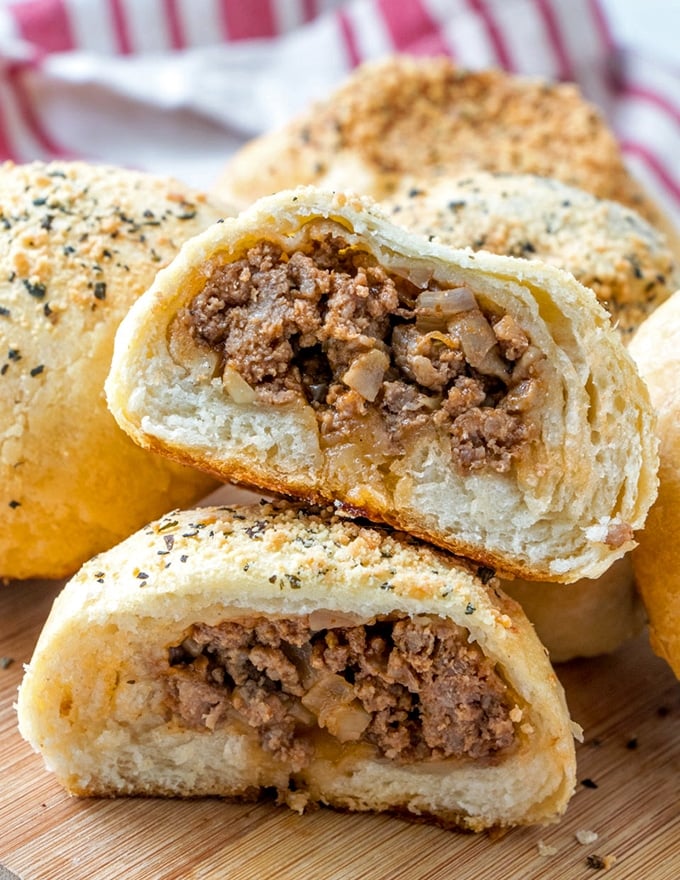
(94, 701)
(565, 507)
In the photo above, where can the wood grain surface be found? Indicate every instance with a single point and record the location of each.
(628, 704)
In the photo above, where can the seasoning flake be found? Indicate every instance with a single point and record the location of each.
(36, 289)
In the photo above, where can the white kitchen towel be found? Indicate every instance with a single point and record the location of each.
(175, 86)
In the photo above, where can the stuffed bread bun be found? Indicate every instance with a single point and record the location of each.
(584, 619)
(656, 349)
(312, 349)
(403, 115)
(78, 244)
(605, 245)
(223, 651)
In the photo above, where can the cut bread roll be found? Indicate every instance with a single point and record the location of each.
(311, 348)
(631, 269)
(78, 244)
(224, 651)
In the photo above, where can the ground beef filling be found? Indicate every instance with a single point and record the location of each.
(331, 326)
(413, 688)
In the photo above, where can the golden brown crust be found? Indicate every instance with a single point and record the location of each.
(78, 244)
(427, 117)
(656, 561)
(94, 703)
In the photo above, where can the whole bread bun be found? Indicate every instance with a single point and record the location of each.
(656, 349)
(224, 651)
(406, 116)
(605, 245)
(310, 347)
(584, 619)
(78, 245)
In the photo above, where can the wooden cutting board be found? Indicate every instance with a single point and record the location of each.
(628, 794)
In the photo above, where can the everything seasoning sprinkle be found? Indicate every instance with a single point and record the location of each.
(36, 371)
(142, 575)
(256, 529)
(14, 504)
(37, 289)
(589, 783)
(4, 312)
(100, 290)
(469, 608)
(6, 662)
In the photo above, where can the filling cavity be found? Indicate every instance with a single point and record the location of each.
(409, 689)
(369, 349)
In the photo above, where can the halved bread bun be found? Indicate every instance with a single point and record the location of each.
(312, 349)
(223, 651)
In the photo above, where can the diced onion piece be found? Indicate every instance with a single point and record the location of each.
(416, 274)
(366, 373)
(434, 308)
(326, 619)
(346, 723)
(524, 367)
(328, 693)
(236, 387)
(331, 699)
(479, 343)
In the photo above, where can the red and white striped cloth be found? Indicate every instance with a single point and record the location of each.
(175, 86)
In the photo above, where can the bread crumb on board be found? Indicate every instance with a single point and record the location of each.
(585, 837)
(600, 863)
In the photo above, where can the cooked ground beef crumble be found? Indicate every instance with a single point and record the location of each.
(415, 689)
(330, 325)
